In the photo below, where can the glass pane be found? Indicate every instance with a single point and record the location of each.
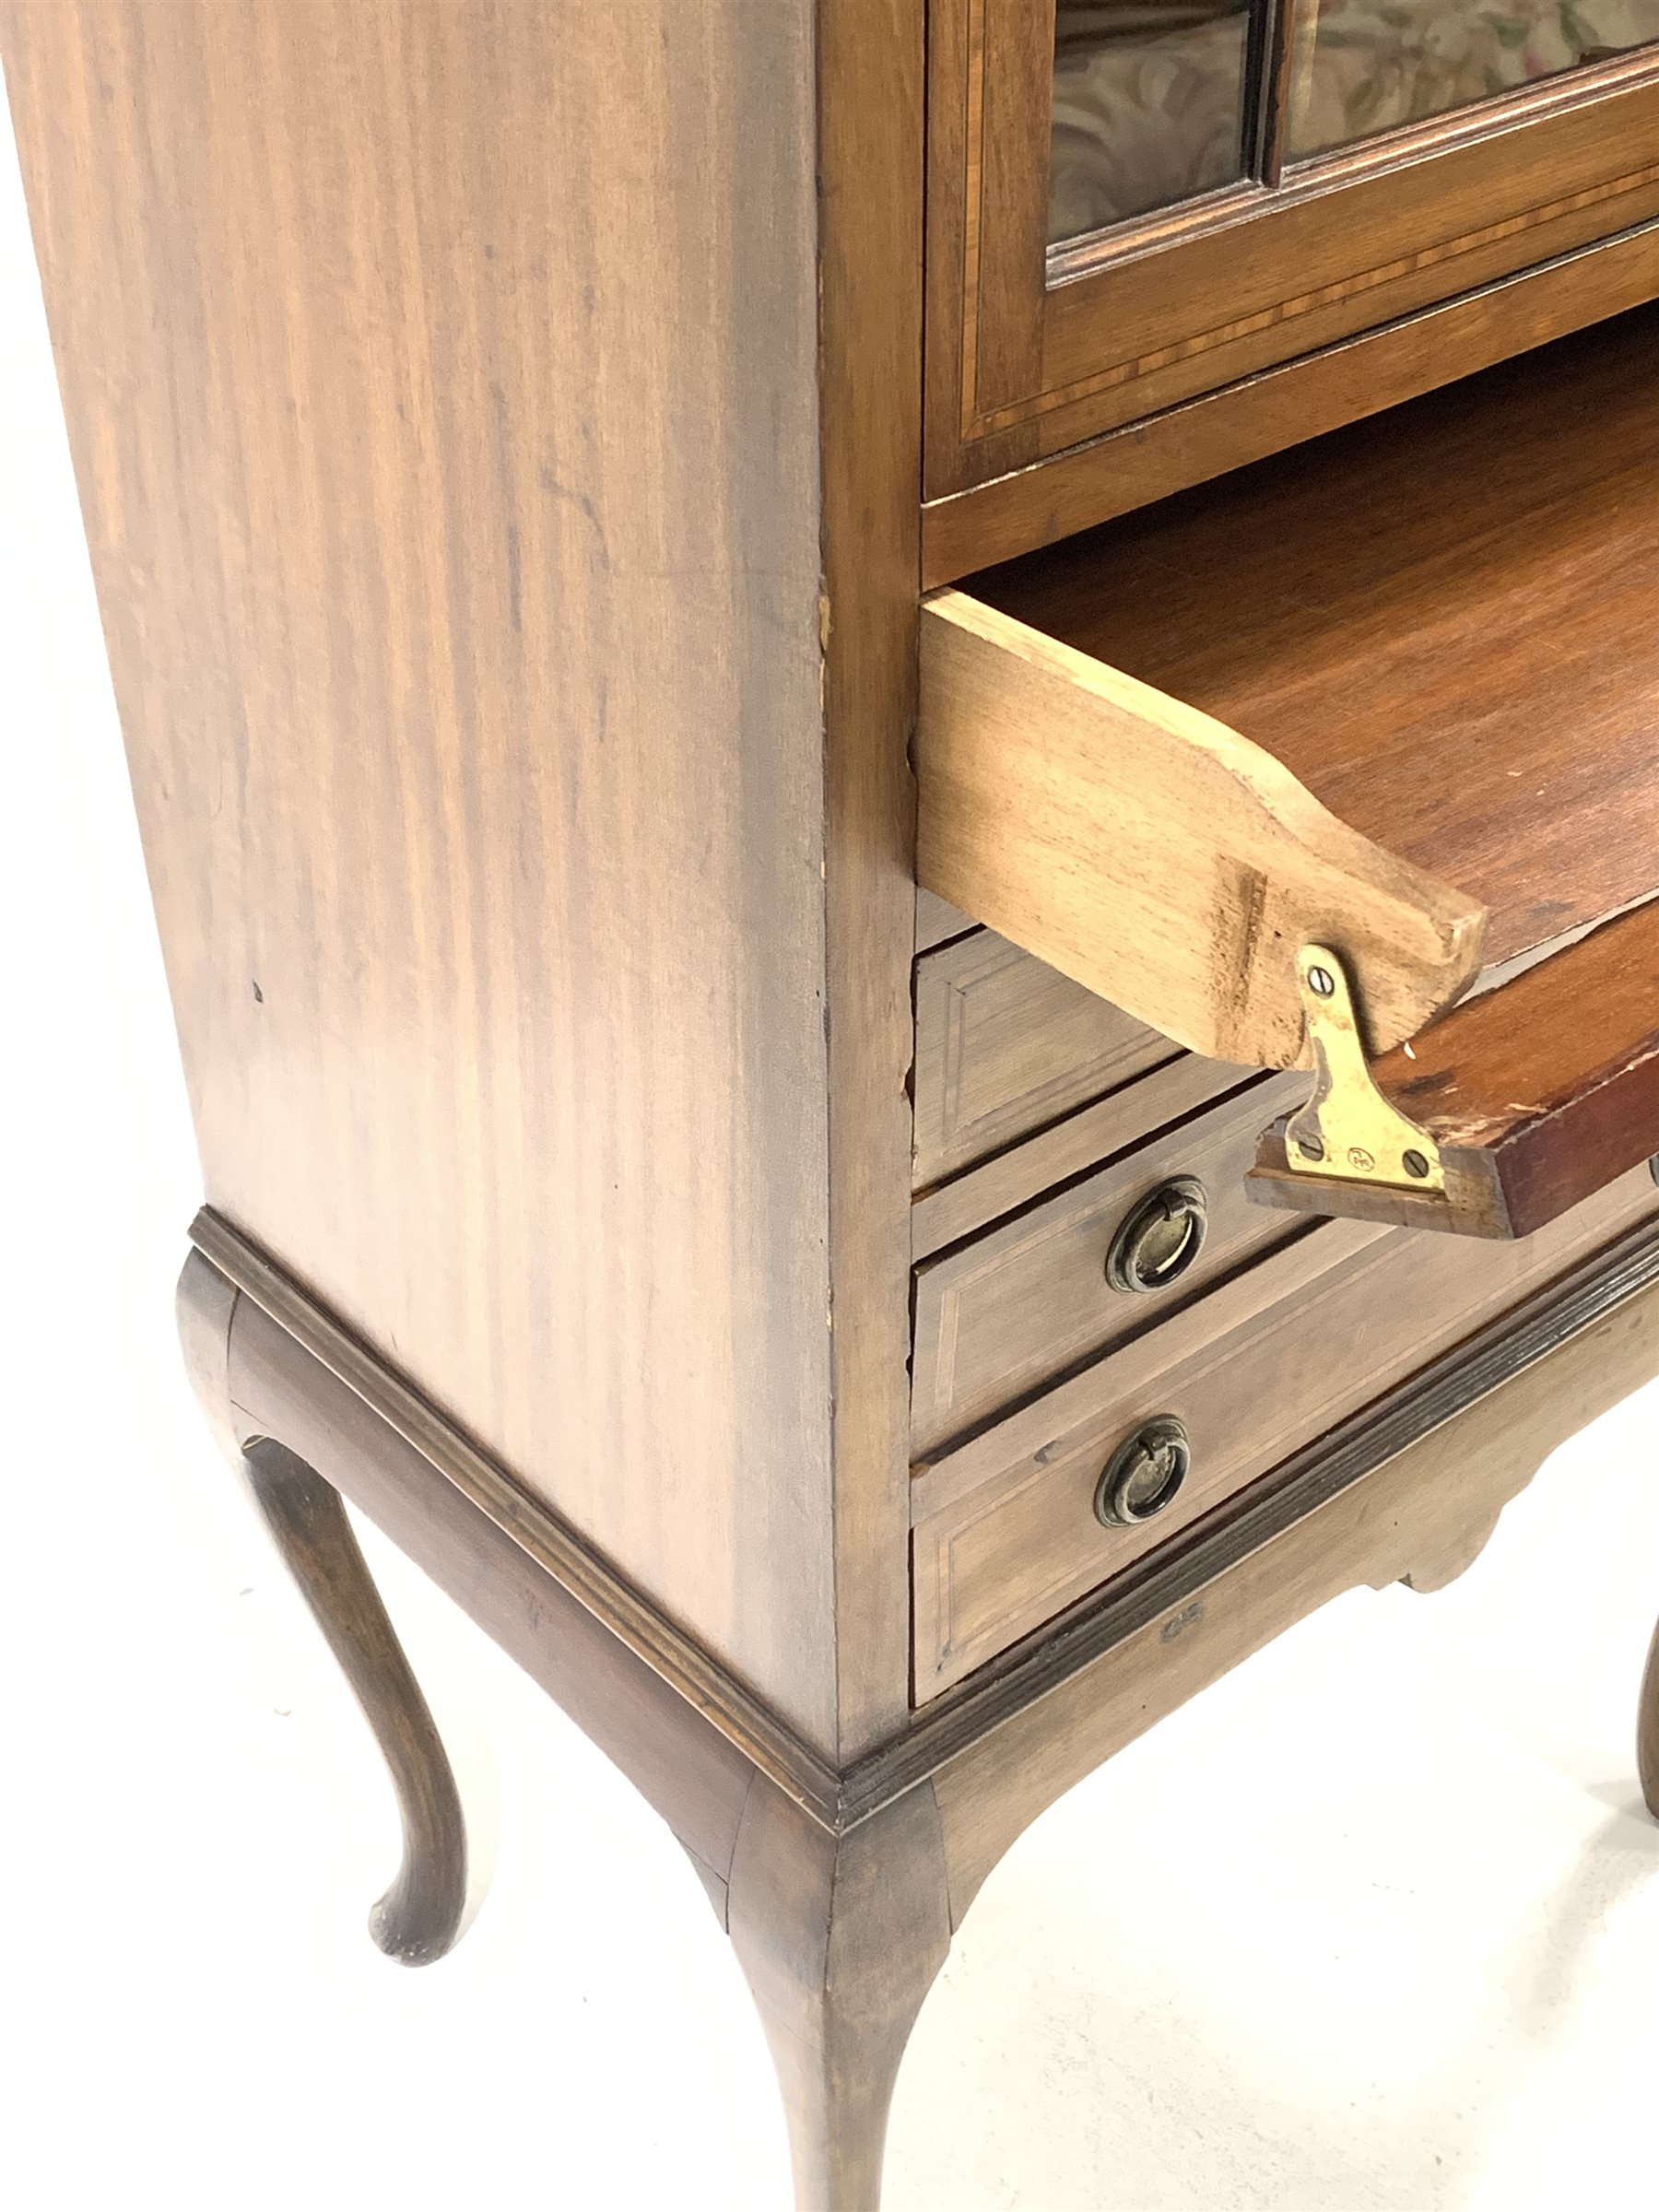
(1149, 106)
(1359, 67)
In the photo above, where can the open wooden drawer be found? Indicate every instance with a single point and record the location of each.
(1371, 725)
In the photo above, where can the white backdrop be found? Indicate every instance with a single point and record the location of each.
(1374, 1924)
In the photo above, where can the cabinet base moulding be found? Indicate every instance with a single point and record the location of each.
(841, 1890)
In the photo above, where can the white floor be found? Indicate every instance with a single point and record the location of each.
(1375, 1924)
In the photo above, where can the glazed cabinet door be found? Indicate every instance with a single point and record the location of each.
(1134, 203)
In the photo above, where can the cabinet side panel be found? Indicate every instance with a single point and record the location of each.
(440, 381)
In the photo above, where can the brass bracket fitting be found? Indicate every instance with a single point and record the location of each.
(1347, 1131)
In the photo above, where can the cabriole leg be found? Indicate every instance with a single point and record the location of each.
(841, 1940)
(422, 1912)
(420, 1915)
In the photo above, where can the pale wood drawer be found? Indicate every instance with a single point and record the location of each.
(1004, 1532)
(1002, 1315)
(1382, 802)
(1006, 1044)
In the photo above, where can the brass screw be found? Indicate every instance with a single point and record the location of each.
(1321, 983)
(1310, 1147)
(1415, 1164)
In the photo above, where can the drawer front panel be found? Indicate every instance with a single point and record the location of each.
(1003, 1315)
(1005, 1044)
(1005, 1535)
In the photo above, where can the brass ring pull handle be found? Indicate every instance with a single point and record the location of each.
(1143, 1473)
(1161, 1238)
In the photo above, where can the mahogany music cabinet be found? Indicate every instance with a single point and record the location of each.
(901, 763)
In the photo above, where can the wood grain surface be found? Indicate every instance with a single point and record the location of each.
(1005, 1535)
(1145, 847)
(938, 922)
(1006, 1045)
(1383, 229)
(1537, 1094)
(1440, 621)
(1033, 349)
(1013, 1308)
(1405, 1519)
(499, 1497)
(1554, 1080)
(422, 1912)
(839, 1939)
(686, 1766)
(841, 1926)
(868, 84)
(1065, 1149)
(1250, 417)
(442, 388)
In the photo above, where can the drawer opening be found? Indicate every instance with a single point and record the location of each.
(1395, 693)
